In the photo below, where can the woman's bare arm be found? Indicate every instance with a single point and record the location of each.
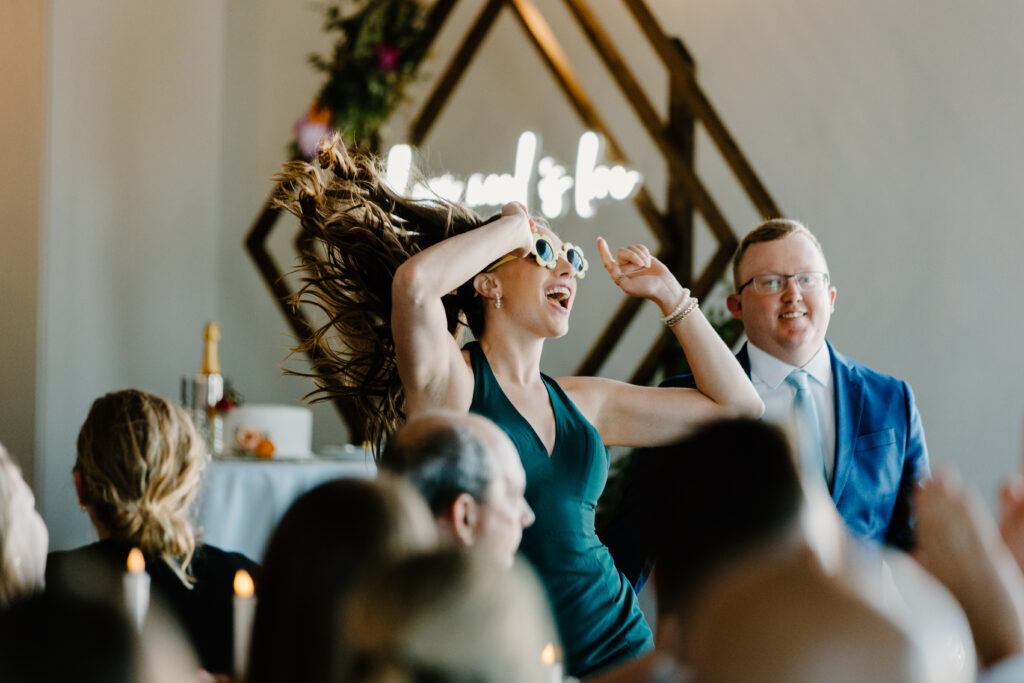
(430, 364)
(631, 415)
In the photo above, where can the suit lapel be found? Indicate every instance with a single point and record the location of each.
(849, 403)
(744, 358)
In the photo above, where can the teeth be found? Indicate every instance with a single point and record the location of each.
(788, 316)
(558, 290)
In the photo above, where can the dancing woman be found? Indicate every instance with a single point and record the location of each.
(425, 266)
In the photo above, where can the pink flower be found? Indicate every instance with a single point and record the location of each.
(248, 438)
(309, 134)
(387, 56)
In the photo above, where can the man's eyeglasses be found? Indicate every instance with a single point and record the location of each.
(773, 283)
(544, 252)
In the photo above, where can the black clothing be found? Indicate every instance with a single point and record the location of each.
(203, 610)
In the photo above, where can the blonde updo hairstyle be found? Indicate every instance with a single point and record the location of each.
(140, 459)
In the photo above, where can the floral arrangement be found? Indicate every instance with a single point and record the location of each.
(376, 56)
(251, 441)
(231, 399)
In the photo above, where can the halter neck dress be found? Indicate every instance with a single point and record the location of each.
(595, 607)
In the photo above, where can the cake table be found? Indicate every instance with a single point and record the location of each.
(242, 499)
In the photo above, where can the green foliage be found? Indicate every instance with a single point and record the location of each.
(376, 55)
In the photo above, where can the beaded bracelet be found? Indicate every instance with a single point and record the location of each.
(684, 301)
(692, 305)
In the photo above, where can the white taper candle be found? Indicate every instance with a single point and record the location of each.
(136, 588)
(554, 667)
(244, 611)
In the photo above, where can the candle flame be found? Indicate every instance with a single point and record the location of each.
(547, 655)
(136, 562)
(243, 584)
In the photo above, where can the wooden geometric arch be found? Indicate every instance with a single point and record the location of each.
(673, 137)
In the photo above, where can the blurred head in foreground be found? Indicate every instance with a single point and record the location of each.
(84, 637)
(452, 615)
(741, 593)
(726, 491)
(23, 536)
(66, 637)
(469, 472)
(329, 539)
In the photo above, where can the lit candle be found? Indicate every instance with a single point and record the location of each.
(136, 588)
(245, 609)
(554, 667)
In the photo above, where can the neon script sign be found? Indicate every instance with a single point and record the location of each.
(590, 182)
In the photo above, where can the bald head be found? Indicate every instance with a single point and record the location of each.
(444, 454)
(469, 472)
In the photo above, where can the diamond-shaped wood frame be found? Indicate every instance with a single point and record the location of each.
(674, 139)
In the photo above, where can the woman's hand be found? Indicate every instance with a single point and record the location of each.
(517, 210)
(639, 274)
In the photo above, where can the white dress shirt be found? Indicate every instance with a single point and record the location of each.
(768, 374)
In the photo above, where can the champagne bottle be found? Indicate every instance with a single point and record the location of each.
(211, 359)
(209, 390)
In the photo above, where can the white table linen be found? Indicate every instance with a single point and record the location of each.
(241, 500)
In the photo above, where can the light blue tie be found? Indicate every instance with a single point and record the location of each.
(807, 424)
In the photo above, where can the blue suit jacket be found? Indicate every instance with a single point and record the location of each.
(880, 457)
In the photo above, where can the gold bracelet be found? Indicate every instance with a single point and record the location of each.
(692, 306)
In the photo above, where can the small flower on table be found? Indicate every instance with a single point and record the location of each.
(252, 441)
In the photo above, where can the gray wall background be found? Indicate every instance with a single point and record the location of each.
(890, 128)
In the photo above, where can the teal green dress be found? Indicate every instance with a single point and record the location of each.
(595, 607)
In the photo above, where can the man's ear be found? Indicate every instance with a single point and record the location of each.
(487, 285)
(832, 298)
(735, 305)
(463, 517)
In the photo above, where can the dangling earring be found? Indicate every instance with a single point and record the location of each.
(497, 300)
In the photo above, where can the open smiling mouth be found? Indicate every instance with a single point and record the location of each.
(559, 294)
(791, 316)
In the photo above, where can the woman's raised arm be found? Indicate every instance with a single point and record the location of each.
(631, 415)
(430, 364)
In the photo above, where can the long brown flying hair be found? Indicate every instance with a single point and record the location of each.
(361, 231)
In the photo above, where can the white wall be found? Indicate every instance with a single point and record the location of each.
(268, 86)
(888, 127)
(132, 175)
(893, 130)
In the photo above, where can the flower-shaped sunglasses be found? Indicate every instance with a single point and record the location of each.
(544, 252)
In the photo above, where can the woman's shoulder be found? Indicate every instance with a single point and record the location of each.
(98, 561)
(58, 561)
(210, 559)
(100, 551)
(585, 394)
